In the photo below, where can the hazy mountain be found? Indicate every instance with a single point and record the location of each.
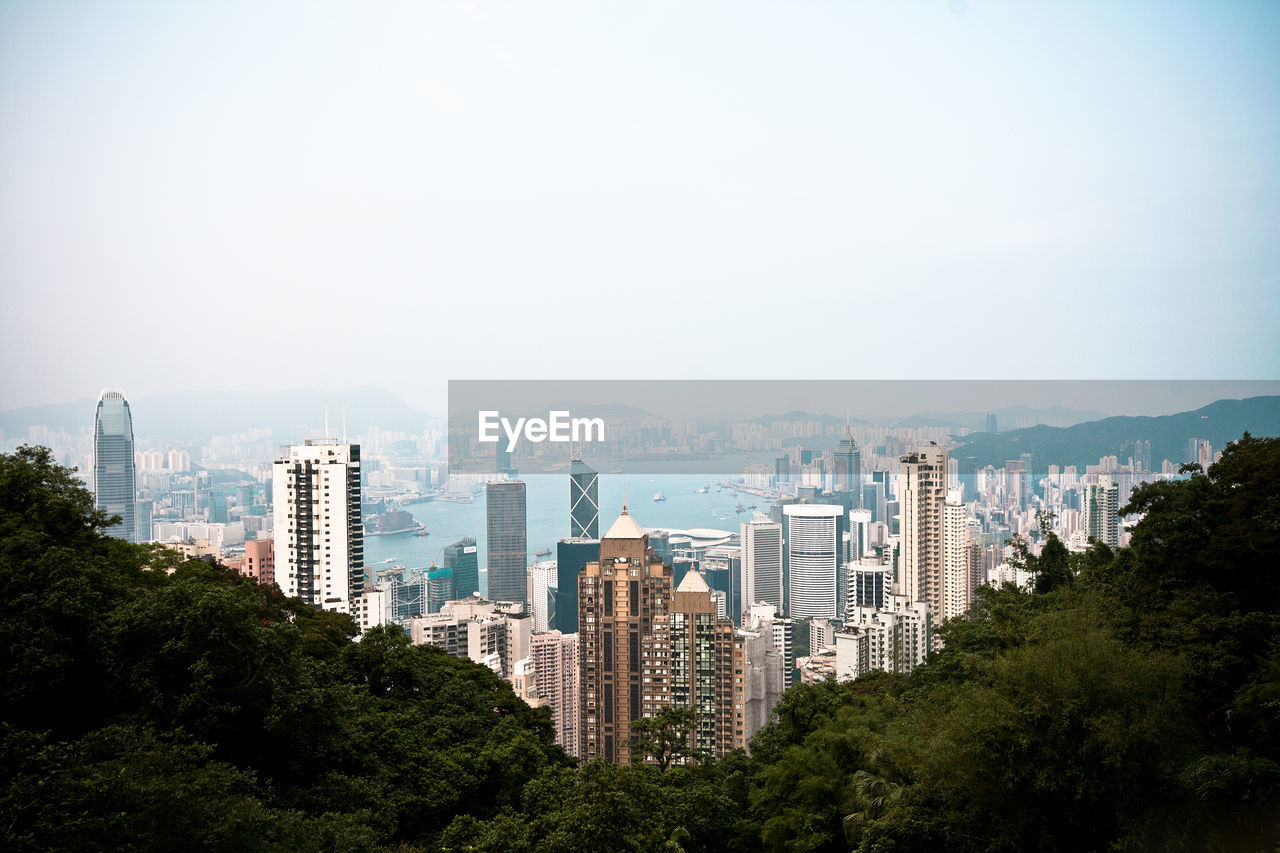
(196, 415)
(1006, 417)
(1083, 444)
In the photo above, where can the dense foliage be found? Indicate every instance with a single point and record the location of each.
(1130, 701)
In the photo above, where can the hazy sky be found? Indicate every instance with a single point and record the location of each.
(264, 195)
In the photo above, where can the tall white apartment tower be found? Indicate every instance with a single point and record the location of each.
(922, 492)
(319, 534)
(761, 561)
(813, 555)
(1100, 510)
(955, 558)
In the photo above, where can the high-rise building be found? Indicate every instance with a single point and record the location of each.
(506, 543)
(991, 423)
(114, 488)
(896, 638)
(1100, 510)
(763, 617)
(572, 556)
(260, 560)
(870, 583)
(541, 586)
(704, 656)
(955, 558)
(555, 667)
(440, 587)
(761, 561)
(584, 501)
(922, 484)
(461, 556)
(619, 597)
(859, 534)
(319, 535)
(813, 551)
(848, 465)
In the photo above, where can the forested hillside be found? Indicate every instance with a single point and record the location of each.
(1130, 702)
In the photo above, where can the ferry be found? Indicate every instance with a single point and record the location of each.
(545, 552)
(423, 532)
(703, 490)
(659, 496)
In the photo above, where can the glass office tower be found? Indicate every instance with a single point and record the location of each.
(113, 475)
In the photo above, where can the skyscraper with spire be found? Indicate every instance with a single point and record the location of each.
(848, 465)
(114, 489)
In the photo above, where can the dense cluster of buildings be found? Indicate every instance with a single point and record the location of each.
(863, 553)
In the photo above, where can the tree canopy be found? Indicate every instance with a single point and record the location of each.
(1129, 701)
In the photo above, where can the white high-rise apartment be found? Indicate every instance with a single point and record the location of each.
(540, 589)
(1100, 510)
(955, 558)
(319, 535)
(859, 534)
(761, 561)
(813, 554)
(922, 484)
(896, 638)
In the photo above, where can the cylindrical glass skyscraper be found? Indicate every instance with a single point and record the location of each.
(113, 477)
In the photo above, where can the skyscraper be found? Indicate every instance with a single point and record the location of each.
(923, 492)
(507, 547)
(1100, 510)
(462, 558)
(848, 467)
(813, 553)
(114, 490)
(572, 555)
(761, 561)
(619, 596)
(955, 558)
(584, 501)
(555, 667)
(540, 587)
(319, 535)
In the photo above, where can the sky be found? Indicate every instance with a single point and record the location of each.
(270, 195)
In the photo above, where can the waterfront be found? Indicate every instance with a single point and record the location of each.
(547, 506)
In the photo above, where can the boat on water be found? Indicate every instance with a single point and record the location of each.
(659, 496)
(739, 508)
(423, 532)
(703, 490)
(545, 552)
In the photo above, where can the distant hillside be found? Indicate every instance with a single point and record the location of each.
(196, 415)
(1083, 444)
(1006, 417)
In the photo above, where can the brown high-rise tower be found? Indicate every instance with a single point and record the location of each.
(619, 598)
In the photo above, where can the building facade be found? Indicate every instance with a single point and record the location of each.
(319, 535)
(584, 501)
(761, 542)
(114, 485)
(506, 542)
(922, 496)
(813, 559)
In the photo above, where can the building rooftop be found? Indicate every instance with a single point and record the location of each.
(693, 582)
(624, 528)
